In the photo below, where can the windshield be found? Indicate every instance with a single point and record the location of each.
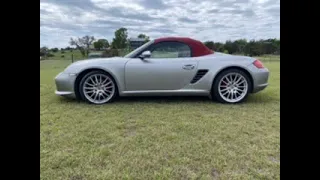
(138, 49)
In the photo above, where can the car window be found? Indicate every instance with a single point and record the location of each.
(170, 50)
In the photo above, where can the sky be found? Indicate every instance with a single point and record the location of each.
(204, 20)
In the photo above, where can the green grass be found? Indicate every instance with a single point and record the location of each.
(159, 138)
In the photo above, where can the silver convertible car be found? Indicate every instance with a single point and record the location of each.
(166, 66)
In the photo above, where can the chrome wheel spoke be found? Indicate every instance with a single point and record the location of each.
(228, 95)
(225, 93)
(89, 84)
(96, 79)
(241, 82)
(92, 80)
(105, 85)
(235, 78)
(229, 81)
(108, 91)
(224, 90)
(102, 96)
(98, 88)
(104, 93)
(235, 95)
(233, 87)
(108, 87)
(224, 82)
(237, 82)
(95, 96)
(105, 80)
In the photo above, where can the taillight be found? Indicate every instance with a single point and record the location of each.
(257, 63)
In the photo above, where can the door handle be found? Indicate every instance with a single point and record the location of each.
(188, 67)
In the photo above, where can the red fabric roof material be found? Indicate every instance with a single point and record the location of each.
(197, 47)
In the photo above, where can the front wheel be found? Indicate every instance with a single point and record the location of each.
(97, 87)
(231, 86)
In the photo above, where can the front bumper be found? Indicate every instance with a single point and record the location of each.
(65, 84)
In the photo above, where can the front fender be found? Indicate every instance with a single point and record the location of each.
(115, 70)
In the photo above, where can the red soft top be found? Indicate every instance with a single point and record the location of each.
(197, 47)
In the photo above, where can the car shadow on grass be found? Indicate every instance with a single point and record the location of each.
(252, 99)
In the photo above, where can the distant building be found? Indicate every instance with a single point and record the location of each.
(136, 42)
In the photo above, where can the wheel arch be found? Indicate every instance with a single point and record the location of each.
(84, 72)
(234, 67)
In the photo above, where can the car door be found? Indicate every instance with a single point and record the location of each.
(170, 67)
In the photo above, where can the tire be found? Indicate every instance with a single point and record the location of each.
(98, 87)
(231, 94)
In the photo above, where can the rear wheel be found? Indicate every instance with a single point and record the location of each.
(97, 87)
(231, 86)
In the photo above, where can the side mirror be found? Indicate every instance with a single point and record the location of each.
(145, 54)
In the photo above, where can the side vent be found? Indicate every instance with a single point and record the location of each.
(199, 75)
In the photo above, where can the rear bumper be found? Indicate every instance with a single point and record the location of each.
(260, 78)
(65, 85)
(259, 87)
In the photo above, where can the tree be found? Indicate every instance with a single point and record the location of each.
(97, 45)
(230, 46)
(101, 43)
(219, 47)
(68, 48)
(209, 44)
(83, 44)
(120, 39)
(54, 50)
(145, 37)
(44, 51)
(240, 44)
(252, 48)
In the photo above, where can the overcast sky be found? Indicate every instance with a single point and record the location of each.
(216, 20)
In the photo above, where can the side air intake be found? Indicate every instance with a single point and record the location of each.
(199, 75)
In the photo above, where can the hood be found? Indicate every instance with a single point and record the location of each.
(77, 66)
(95, 60)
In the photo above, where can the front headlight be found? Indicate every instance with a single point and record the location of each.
(71, 70)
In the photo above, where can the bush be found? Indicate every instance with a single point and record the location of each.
(62, 56)
(50, 55)
(54, 50)
(226, 51)
(62, 52)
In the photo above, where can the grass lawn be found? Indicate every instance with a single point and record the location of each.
(159, 138)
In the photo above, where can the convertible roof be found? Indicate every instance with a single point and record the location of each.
(197, 47)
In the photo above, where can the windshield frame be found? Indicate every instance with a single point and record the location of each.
(139, 49)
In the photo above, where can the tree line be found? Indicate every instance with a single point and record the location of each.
(121, 41)
(242, 46)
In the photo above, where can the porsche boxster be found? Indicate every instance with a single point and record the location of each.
(167, 66)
